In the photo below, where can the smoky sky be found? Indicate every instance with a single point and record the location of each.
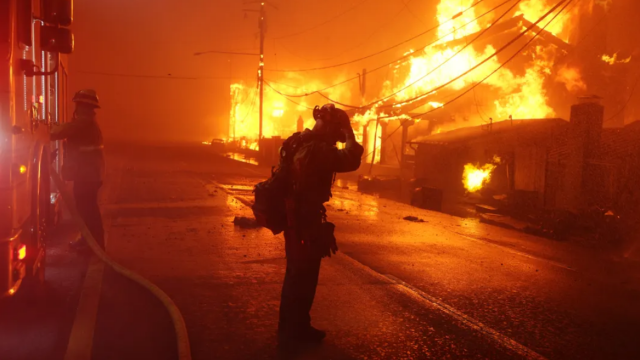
(138, 54)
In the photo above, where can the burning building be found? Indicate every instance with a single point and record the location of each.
(540, 165)
(523, 59)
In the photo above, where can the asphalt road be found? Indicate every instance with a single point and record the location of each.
(445, 288)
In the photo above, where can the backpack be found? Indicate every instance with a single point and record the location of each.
(270, 205)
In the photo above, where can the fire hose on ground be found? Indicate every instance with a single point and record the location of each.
(184, 349)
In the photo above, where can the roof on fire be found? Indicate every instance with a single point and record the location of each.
(473, 133)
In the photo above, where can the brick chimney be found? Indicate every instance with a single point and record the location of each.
(587, 119)
(583, 138)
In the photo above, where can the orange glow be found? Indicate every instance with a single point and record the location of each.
(611, 60)
(571, 78)
(519, 92)
(23, 169)
(22, 252)
(279, 116)
(520, 96)
(534, 9)
(474, 177)
(367, 121)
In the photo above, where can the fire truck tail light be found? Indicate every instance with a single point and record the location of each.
(22, 252)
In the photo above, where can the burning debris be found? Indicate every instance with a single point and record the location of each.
(413, 219)
(611, 60)
(245, 222)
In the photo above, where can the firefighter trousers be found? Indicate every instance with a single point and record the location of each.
(86, 197)
(299, 288)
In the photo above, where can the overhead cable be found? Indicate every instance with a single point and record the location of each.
(383, 50)
(633, 90)
(442, 64)
(400, 60)
(322, 23)
(169, 76)
(289, 99)
(496, 70)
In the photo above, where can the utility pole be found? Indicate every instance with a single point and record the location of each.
(261, 68)
(263, 30)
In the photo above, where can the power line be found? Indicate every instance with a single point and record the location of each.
(283, 84)
(520, 35)
(223, 52)
(381, 51)
(291, 100)
(442, 64)
(169, 76)
(406, 5)
(322, 23)
(633, 90)
(350, 48)
(401, 59)
(496, 70)
(510, 58)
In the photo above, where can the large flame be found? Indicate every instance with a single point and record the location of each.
(475, 177)
(518, 96)
(520, 93)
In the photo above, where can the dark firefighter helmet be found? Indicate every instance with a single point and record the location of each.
(329, 113)
(333, 119)
(87, 96)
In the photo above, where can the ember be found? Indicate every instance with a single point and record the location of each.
(611, 60)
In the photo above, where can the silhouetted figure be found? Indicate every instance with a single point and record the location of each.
(308, 236)
(84, 162)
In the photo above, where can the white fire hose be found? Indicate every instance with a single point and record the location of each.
(184, 349)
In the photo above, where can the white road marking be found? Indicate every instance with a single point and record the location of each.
(81, 338)
(80, 343)
(508, 249)
(434, 303)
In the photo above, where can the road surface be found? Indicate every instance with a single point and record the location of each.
(445, 288)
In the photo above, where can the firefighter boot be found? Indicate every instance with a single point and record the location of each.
(310, 335)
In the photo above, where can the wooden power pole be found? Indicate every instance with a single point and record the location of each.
(261, 69)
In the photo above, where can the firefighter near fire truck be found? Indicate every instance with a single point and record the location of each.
(84, 163)
(30, 49)
(291, 201)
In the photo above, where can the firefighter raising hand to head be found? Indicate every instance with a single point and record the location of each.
(84, 162)
(308, 236)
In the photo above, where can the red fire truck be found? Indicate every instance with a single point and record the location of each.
(34, 38)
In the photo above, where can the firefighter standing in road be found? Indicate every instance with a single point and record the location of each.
(309, 237)
(84, 162)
